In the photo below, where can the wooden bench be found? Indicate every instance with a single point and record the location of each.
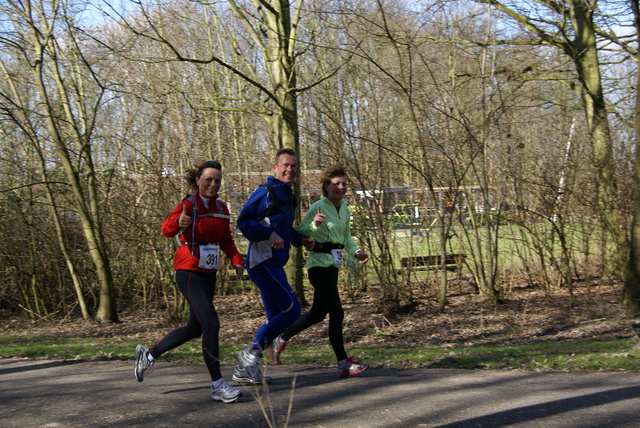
(452, 262)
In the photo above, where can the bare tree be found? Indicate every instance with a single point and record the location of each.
(44, 40)
(570, 26)
(632, 284)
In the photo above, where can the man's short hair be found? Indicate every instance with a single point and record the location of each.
(285, 151)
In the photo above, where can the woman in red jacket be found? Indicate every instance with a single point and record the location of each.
(200, 224)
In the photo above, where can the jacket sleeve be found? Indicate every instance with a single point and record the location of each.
(248, 218)
(307, 227)
(227, 244)
(169, 226)
(296, 237)
(350, 246)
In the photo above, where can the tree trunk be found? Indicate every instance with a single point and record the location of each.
(631, 292)
(77, 130)
(284, 120)
(585, 57)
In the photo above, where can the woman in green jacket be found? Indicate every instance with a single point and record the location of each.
(328, 223)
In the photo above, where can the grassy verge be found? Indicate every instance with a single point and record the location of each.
(612, 355)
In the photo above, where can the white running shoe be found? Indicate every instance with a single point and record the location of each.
(348, 367)
(225, 393)
(249, 374)
(142, 361)
(249, 356)
(276, 348)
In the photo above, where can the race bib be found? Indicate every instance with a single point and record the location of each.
(209, 256)
(337, 256)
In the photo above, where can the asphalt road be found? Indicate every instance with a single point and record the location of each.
(40, 393)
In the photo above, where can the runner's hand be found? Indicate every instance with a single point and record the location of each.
(308, 243)
(319, 218)
(184, 220)
(276, 241)
(239, 271)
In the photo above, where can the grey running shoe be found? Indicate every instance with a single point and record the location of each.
(225, 393)
(249, 356)
(277, 346)
(249, 374)
(348, 367)
(142, 362)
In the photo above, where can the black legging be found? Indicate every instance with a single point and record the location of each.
(198, 288)
(326, 300)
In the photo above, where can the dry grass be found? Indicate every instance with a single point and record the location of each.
(527, 315)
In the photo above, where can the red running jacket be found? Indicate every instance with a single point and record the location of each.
(212, 227)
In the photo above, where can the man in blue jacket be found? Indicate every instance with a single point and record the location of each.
(266, 220)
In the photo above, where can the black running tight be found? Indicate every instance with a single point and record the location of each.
(326, 300)
(198, 288)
